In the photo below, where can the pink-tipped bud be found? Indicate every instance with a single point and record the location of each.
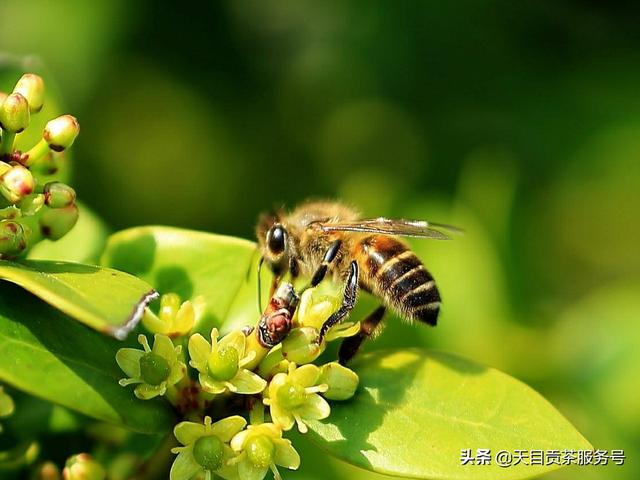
(14, 113)
(31, 87)
(61, 132)
(16, 183)
(13, 238)
(58, 195)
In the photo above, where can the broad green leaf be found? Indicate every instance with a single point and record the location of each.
(104, 299)
(83, 244)
(49, 355)
(415, 411)
(190, 263)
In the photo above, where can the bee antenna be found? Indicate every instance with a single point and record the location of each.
(260, 285)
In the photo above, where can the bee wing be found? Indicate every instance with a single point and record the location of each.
(389, 226)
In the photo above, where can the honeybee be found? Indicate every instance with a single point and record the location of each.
(320, 238)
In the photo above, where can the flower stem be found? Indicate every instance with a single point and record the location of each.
(172, 395)
(256, 414)
(35, 153)
(8, 139)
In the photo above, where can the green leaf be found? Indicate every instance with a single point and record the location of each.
(49, 355)
(191, 263)
(83, 244)
(415, 410)
(107, 300)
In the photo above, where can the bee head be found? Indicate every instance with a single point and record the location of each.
(273, 239)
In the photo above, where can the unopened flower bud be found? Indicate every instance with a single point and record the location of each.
(56, 223)
(16, 183)
(11, 212)
(83, 467)
(46, 471)
(31, 87)
(60, 132)
(31, 204)
(301, 346)
(342, 381)
(14, 113)
(58, 195)
(13, 238)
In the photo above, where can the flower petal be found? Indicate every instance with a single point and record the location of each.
(199, 351)
(226, 471)
(184, 466)
(210, 385)
(238, 440)
(267, 429)
(185, 318)
(235, 339)
(178, 371)
(248, 471)
(147, 392)
(188, 432)
(277, 380)
(306, 375)
(314, 408)
(199, 306)
(247, 382)
(163, 346)
(128, 360)
(226, 428)
(343, 331)
(281, 417)
(285, 455)
(154, 324)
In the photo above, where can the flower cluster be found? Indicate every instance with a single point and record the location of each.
(32, 206)
(276, 388)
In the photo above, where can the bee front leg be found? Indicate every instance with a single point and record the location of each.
(329, 257)
(368, 327)
(348, 302)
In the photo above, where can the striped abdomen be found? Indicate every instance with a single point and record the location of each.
(396, 274)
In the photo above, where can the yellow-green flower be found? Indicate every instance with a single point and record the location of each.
(316, 306)
(221, 364)
(301, 345)
(153, 369)
(293, 397)
(174, 318)
(206, 449)
(260, 448)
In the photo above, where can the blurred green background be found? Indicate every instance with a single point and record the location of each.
(518, 121)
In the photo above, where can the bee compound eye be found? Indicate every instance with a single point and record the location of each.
(276, 239)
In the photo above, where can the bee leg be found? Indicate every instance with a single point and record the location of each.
(348, 302)
(329, 256)
(368, 327)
